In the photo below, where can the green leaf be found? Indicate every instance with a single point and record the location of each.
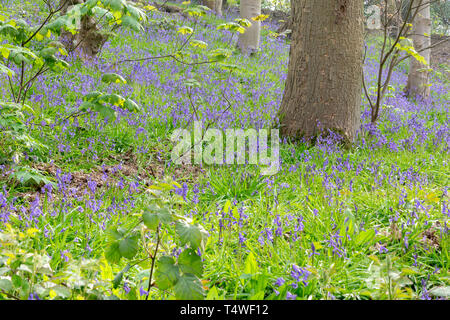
(113, 254)
(251, 266)
(114, 99)
(196, 235)
(164, 214)
(190, 262)
(62, 292)
(188, 287)
(364, 237)
(92, 96)
(4, 69)
(113, 78)
(131, 105)
(440, 292)
(129, 246)
(151, 220)
(6, 285)
(167, 273)
(132, 23)
(118, 278)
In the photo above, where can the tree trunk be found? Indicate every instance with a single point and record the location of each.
(215, 5)
(249, 41)
(394, 17)
(323, 87)
(418, 77)
(88, 40)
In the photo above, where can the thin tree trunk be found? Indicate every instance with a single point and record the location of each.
(324, 83)
(215, 5)
(88, 40)
(418, 76)
(249, 41)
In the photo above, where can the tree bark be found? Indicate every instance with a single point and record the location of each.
(249, 41)
(88, 40)
(394, 17)
(215, 5)
(418, 76)
(323, 87)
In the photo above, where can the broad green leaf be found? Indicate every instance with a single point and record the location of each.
(113, 78)
(6, 285)
(131, 105)
(151, 220)
(190, 262)
(167, 273)
(251, 266)
(188, 287)
(440, 292)
(92, 96)
(4, 69)
(114, 99)
(129, 247)
(195, 234)
(113, 254)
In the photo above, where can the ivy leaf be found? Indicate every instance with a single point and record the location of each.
(189, 287)
(190, 262)
(129, 246)
(194, 234)
(113, 78)
(167, 273)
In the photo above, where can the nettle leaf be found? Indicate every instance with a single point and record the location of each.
(194, 234)
(167, 273)
(190, 262)
(129, 246)
(188, 287)
(113, 78)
